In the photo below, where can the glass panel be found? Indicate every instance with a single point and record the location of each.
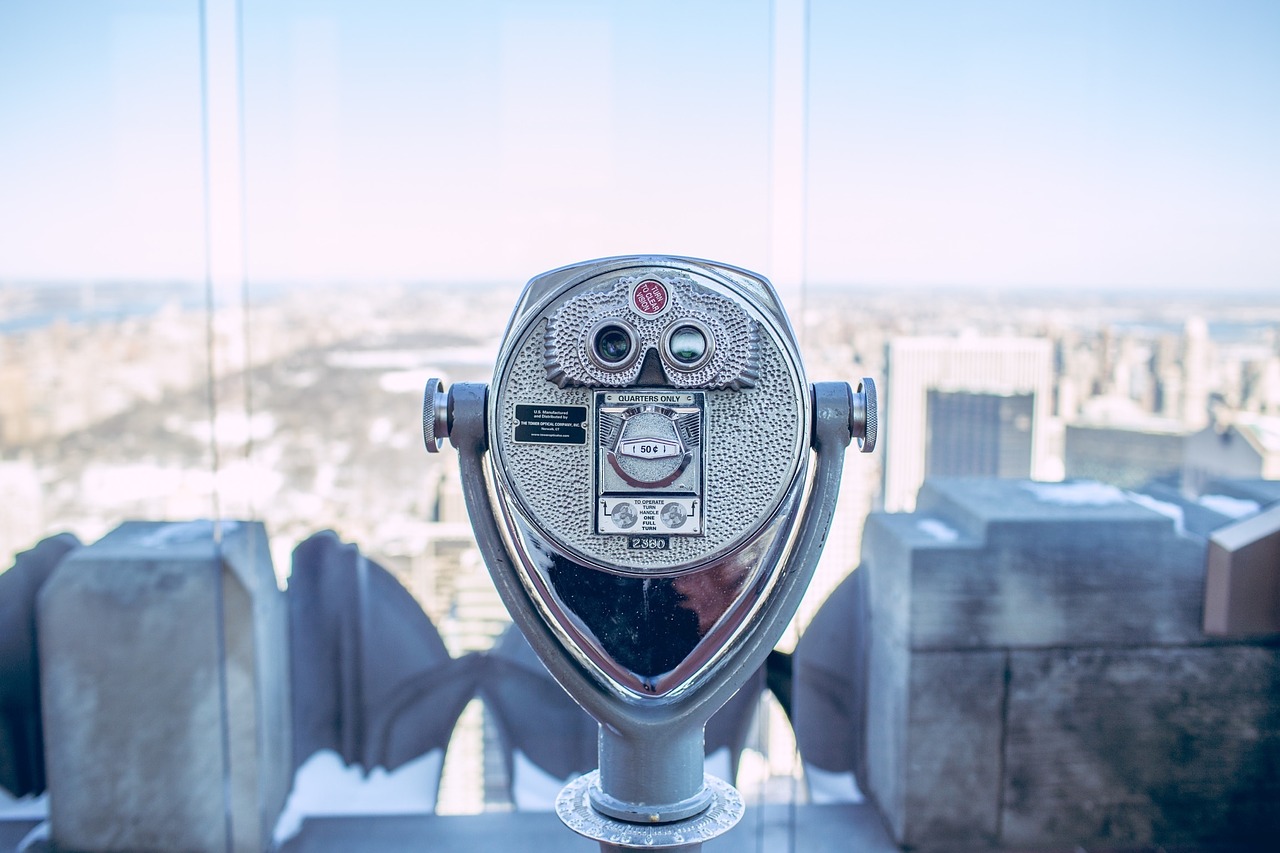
(1095, 173)
(103, 366)
(408, 167)
(1100, 176)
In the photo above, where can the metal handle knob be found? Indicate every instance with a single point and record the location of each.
(863, 421)
(435, 415)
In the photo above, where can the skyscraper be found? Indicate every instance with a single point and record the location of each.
(1196, 354)
(963, 407)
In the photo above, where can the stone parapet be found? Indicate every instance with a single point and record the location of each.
(1038, 677)
(164, 664)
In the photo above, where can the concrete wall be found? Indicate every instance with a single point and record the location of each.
(1127, 458)
(165, 692)
(1215, 454)
(1038, 677)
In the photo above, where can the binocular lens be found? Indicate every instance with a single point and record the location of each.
(613, 344)
(688, 345)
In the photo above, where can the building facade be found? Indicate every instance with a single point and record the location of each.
(964, 406)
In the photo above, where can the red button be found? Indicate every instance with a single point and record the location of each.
(649, 297)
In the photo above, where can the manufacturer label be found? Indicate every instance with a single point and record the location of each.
(551, 424)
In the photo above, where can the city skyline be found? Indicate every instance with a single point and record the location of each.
(319, 410)
(142, 375)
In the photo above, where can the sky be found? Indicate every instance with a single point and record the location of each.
(1089, 144)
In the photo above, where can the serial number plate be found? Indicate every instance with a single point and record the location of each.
(649, 543)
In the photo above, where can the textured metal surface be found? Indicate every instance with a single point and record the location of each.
(754, 444)
(435, 415)
(568, 339)
(574, 808)
(864, 420)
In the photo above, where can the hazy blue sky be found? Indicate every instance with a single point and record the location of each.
(1106, 143)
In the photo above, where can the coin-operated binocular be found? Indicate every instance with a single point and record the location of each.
(651, 479)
